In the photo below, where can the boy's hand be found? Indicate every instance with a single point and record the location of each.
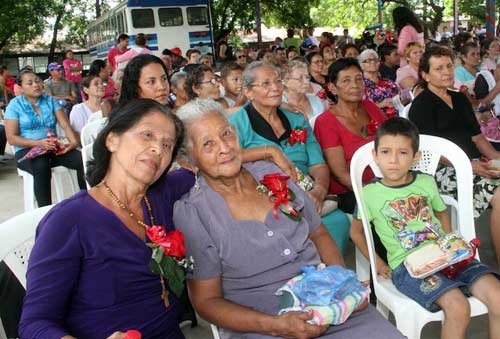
(383, 269)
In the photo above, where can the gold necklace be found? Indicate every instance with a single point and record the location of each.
(164, 291)
(126, 209)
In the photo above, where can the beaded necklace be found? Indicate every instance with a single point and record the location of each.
(164, 291)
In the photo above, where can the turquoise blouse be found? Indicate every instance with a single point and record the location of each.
(32, 125)
(303, 155)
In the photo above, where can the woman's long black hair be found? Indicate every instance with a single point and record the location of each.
(132, 74)
(402, 16)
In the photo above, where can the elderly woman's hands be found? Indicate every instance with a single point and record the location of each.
(295, 325)
(318, 195)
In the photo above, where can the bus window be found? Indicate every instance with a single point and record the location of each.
(143, 18)
(197, 16)
(121, 28)
(170, 17)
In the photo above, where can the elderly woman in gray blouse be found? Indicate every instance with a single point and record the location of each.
(242, 252)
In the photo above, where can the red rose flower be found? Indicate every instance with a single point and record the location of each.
(299, 135)
(321, 94)
(372, 126)
(173, 244)
(155, 233)
(275, 182)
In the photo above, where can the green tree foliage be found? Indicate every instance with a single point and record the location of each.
(22, 20)
(231, 15)
(362, 13)
(475, 9)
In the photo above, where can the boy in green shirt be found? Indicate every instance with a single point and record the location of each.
(408, 212)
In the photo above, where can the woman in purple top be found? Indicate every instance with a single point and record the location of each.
(243, 253)
(88, 274)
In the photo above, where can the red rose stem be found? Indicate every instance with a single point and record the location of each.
(132, 334)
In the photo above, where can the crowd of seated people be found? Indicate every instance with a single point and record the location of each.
(301, 105)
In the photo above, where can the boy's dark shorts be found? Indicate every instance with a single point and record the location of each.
(426, 291)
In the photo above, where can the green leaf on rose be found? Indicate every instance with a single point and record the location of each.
(174, 274)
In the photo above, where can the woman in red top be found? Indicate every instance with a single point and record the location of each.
(346, 127)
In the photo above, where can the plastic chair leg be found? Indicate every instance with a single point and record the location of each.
(3, 335)
(58, 183)
(383, 309)
(29, 194)
(74, 181)
(409, 325)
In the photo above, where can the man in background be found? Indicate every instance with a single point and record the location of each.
(120, 48)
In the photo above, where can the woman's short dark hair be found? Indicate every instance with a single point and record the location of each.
(467, 47)
(403, 16)
(341, 65)
(261, 54)
(96, 66)
(485, 45)
(434, 51)
(23, 72)
(132, 74)
(460, 39)
(344, 48)
(311, 55)
(86, 83)
(194, 78)
(121, 119)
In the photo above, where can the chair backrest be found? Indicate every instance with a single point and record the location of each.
(434, 147)
(17, 236)
(90, 130)
(87, 154)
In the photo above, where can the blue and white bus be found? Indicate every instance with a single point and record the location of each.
(166, 24)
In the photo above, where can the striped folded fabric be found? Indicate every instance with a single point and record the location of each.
(334, 314)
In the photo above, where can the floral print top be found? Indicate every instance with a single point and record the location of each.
(378, 92)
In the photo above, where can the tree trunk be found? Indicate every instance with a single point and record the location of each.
(4, 42)
(97, 8)
(259, 23)
(54, 34)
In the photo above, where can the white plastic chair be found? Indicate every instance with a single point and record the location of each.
(17, 236)
(58, 174)
(409, 316)
(86, 156)
(89, 132)
(215, 331)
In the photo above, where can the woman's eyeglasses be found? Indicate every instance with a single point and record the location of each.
(303, 78)
(267, 84)
(370, 61)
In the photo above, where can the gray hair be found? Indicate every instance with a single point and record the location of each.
(365, 55)
(190, 113)
(294, 64)
(249, 76)
(177, 77)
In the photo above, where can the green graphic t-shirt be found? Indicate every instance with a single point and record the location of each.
(404, 215)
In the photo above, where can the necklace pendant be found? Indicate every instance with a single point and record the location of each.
(164, 296)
